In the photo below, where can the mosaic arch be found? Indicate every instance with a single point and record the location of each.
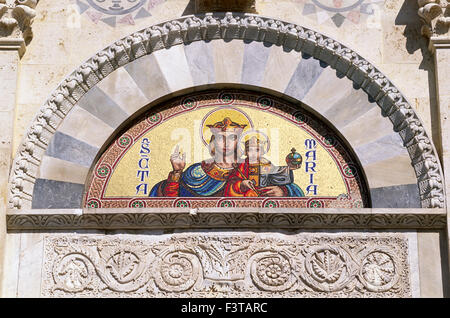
(397, 157)
(276, 155)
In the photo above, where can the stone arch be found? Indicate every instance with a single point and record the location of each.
(286, 58)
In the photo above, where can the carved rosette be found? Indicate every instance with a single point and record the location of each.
(211, 265)
(227, 26)
(177, 271)
(272, 271)
(377, 271)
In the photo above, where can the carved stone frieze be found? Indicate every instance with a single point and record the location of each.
(129, 219)
(16, 17)
(435, 15)
(228, 26)
(227, 265)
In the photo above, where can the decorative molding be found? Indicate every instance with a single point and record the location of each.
(202, 6)
(227, 265)
(248, 27)
(16, 18)
(435, 15)
(227, 218)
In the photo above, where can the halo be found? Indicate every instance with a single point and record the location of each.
(251, 133)
(219, 114)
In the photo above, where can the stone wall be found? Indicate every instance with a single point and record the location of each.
(36, 261)
(238, 263)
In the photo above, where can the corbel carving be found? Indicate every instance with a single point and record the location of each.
(435, 15)
(16, 18)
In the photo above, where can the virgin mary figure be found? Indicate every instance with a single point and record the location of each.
(211, 177)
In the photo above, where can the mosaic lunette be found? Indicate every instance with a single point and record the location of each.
(255, 170)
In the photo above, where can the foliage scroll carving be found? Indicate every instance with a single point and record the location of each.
(248, 265)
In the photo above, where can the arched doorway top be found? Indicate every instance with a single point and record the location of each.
(229, 26)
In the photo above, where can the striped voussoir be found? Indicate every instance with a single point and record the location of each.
(215, 50)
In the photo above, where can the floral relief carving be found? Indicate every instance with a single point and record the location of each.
(73, 273)
(216, 265)
(177, 271)
(272, 271)
(291, 219)
(329, 267)
(378, 271)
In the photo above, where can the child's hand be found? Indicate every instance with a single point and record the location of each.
(248, 185)
(272, 191)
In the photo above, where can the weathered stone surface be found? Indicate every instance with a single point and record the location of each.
(83, 125)
(388, 197)
(51, 194)
(280, 67)
(123, 91)
(400, 172)
(201, 63)
(379, 150)
(307, 72)
(78, 152)
(227, 265)
(430, 264)
(148, 77)
(254, 65)
(61, 170)
(174, 67)
(103, 107)
(228, 60)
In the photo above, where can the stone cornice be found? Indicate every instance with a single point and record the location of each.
(247, 27)
(435, 15)
(16, 18)
(226, 218)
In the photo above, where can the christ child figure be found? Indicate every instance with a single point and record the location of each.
(257, 176)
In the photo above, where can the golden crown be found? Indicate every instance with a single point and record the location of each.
(226, 125)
